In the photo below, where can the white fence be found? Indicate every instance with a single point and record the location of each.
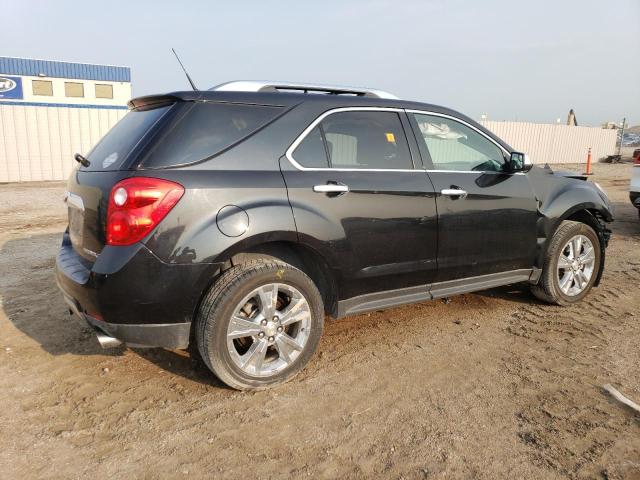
(551, 143)
(38, 143)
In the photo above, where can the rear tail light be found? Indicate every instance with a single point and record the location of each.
(137, 205)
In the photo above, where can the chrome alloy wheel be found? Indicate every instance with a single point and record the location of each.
(575, 265)
(269, 329)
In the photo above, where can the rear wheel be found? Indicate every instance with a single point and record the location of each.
(572, 264)
(259, 324)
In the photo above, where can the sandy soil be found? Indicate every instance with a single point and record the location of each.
(490, 385)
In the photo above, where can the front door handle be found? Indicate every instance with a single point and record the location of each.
(454, 192)
(339, 188)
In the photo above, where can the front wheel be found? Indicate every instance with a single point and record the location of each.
(259, 324)
(571, 266)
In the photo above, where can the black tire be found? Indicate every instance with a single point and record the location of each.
(548, 289)
(217, 308)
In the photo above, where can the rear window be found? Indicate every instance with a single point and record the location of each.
(206, 129)
(112, 151)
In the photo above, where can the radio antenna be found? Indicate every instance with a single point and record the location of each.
(193, 85)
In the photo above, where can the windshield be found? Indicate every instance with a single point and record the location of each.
(111, 152)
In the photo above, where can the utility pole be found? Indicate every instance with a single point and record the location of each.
(624, 122)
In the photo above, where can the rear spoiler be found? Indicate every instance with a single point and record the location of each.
(157, 100)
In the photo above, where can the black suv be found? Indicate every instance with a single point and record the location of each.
(233, 220)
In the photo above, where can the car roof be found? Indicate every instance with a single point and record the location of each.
(286, 99)
(290, 98)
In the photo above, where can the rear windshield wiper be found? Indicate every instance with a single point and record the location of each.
(81, 160)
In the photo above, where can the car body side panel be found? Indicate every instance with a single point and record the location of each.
(560, 197)
(193, 231)
(491, 230)
(383, 231)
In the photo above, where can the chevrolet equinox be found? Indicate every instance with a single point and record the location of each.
(232, 221)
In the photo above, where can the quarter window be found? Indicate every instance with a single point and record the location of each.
(454, 146)
(311, 152)
(205, 129)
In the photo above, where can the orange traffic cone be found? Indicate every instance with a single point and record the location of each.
(589, 172)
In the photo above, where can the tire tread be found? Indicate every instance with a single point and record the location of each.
(545, 289)
(228, 282)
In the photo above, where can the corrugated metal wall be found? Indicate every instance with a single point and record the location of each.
(49, 68)
(38, 143)
(549, 143)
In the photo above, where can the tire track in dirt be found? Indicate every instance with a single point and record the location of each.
(567, 429)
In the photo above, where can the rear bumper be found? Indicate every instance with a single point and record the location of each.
(167, 335)
(131, 295)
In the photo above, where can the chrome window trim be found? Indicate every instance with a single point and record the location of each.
(312, 125)
(306, 131)
(475, 171)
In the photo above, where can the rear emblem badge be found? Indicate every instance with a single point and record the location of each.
(110, 160)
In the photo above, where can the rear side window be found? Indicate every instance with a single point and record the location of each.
(204, 130)
(112, 151)
(368, 140)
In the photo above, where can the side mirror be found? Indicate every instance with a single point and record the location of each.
(519, 162)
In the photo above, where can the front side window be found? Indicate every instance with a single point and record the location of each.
(454, 146)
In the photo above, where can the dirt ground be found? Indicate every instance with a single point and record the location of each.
(490, 385)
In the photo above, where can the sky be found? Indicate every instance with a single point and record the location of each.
(506, 59)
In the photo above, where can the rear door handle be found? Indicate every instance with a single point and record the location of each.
(454, 192)
(338, 188)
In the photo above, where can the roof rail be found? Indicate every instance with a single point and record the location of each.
(269, 86)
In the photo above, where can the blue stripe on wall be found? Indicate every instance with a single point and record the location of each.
(64, 105)
(82, 71)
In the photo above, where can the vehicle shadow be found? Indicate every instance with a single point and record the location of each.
(186, 364)
(518, 292)
(32, 302)
(627, 222)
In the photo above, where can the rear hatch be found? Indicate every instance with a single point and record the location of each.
(89, 187)
(159, 132)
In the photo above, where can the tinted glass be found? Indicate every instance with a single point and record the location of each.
(205, 130)
(111, 152)
(454, 146)
(367, 140)
(311, 152)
